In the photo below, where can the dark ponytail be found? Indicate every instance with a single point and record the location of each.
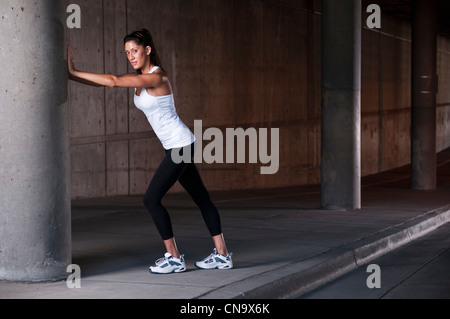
(144, 38)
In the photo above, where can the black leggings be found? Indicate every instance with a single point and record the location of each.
(167, 174)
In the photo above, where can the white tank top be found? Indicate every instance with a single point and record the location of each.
(162, 116)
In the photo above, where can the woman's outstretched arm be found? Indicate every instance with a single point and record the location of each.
(109, 80)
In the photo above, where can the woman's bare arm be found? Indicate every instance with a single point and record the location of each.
(109, 80)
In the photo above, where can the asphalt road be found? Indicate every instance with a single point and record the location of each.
(418, 270)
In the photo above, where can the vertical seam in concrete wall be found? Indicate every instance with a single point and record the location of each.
(234, 65)
(104, 64)
(104, 101)
(128, 111)
(380, 104)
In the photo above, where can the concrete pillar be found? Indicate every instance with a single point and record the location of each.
(35, 238)
(341, 103)
(424, 89)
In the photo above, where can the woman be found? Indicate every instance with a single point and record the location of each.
(154, 96)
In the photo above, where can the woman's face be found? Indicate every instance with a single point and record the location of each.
(137, 54)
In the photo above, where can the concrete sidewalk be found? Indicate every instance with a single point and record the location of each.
(283, 243)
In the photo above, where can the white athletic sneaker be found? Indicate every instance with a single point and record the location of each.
(168, 264)
(216, 260)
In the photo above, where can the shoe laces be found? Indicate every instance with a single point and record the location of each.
(161, 261)
(166, 258)
(210, 257)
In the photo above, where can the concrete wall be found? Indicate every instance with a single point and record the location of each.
(443, 97)
(235, 63)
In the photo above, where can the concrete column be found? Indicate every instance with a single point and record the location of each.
(424, 89)
(341, 103)
(35, 238)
